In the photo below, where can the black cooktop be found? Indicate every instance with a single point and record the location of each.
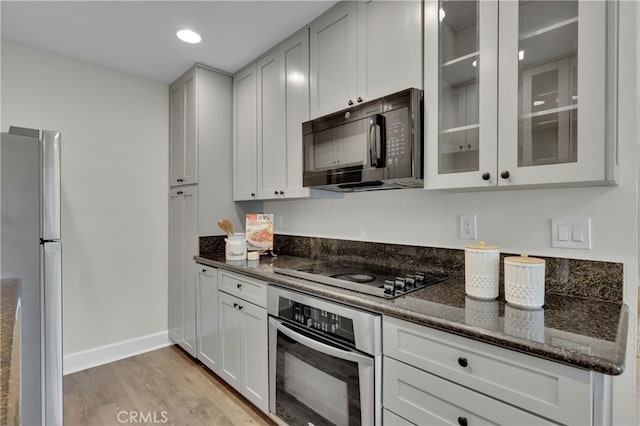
(369, 279)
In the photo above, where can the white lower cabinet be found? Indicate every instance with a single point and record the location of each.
(435, 377)
(207, 316)
(243, 347)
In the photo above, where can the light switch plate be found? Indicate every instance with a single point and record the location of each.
(571, 232)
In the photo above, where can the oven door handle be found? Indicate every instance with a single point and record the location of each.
(318, 346)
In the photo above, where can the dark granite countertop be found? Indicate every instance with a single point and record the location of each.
(583, 333)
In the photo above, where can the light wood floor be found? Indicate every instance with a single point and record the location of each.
(165, 386)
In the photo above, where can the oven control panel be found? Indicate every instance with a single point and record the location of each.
(319, 320)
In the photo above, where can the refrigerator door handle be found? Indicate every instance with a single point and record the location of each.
(52, 325)
(50, 185)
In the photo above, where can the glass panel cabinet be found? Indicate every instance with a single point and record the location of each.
(516, 93)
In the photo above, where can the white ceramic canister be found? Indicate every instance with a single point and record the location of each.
(236, 247)
(524, 281)
(481, 269)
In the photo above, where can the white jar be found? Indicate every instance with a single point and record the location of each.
(524, 281)
(236, 247)
(481, 269)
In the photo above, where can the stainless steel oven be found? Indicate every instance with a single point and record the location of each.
(325, 361)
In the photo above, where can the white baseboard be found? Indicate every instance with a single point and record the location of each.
(89, 358)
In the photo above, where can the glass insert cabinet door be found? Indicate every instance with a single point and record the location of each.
(515, 92)
(461, 69)
(552, 117)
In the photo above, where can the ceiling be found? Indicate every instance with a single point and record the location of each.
(138, 37)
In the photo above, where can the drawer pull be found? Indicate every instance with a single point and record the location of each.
(238, 285)
(462, 421)
(462, 362)
(240, 307)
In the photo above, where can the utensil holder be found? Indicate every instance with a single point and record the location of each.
(236, 247)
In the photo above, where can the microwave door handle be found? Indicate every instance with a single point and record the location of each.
(318, 346)
(377, 140)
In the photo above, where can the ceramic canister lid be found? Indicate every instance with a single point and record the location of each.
(525, 259)
(480, 245)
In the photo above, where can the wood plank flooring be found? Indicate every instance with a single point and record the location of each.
(165, 386)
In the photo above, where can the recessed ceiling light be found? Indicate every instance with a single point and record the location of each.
(189, 36)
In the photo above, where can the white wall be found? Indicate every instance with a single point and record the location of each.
(516, 220)
(114, 189)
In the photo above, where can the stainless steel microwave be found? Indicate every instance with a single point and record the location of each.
(374, 145)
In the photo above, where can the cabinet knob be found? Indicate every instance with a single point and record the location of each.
(281, 192)
(238, 285)
(350, 102)
(235, 305)
(179, 192)
(204, 270)
(505, 174)
(253, 195)
(275, 192)
(486, 176)
(240, 307)
(462, 421)
(180, 180)
(462, 362)
(359, 99)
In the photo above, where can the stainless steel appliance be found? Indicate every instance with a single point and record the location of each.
(374, 145)
(325, 361)
(32, 255)
(369, 279)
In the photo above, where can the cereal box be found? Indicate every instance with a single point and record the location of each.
(259, 231)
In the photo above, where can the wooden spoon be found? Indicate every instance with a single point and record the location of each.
(226, 226)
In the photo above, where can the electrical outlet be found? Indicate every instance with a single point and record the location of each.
(468, 229)
(278, 224)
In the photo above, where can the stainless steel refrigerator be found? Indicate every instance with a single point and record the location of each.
(31, 253)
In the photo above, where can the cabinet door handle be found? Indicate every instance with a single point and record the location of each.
(253, 195)
(462, 421)
(505, 174)
(350, 102)
(235, 305)
(180, 180)
(359, 99)
(486, 176)
(179, 192)
(240, 307)
(275, 192)
(281, 192)
(204, 270)
(238, 285)
(462, 362)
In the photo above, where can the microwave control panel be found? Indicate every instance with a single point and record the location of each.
(399, 154)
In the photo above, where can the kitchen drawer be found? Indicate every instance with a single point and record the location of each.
(558, 392)
(246, 288)
(425, 399)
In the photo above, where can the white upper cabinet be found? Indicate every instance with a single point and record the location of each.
(390, 38)
(363, 50)
(244, 134)
(544, 121)
(183, 168)
(271, 99)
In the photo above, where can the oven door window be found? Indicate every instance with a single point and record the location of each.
(315, 388)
